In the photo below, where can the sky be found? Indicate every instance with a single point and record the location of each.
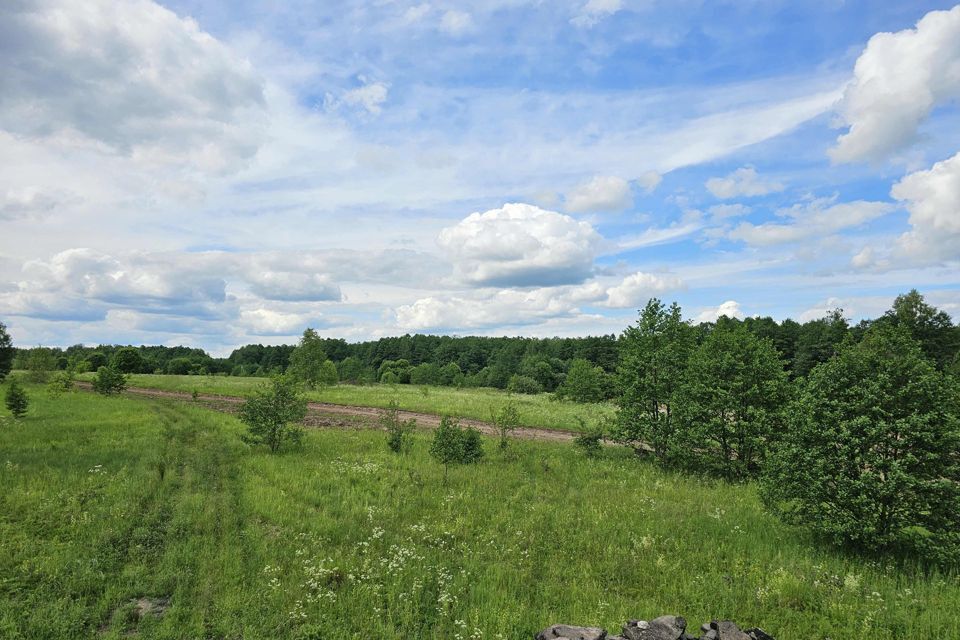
(213, 173)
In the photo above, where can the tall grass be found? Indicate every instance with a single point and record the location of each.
(109, 499)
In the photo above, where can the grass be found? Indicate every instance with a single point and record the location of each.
(105, 500)
(540, 410)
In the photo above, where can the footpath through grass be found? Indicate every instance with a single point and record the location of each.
(106, 500)
(540, 410)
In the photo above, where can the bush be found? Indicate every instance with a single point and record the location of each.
(584, 382)
(426, 373)
(590, 440)
(506, 421)
(16, 399)
(109, 380)
(62, 381)
(40, 363)
(452, 444)
(870, 453)
(129, 360)
(398, 431)
(6, 352)
(271, 413)
(523, 384)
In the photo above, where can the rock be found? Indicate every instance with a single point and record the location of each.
(710, 634)
(758, 634)
(662, 628)
(727, 630)
(567, 632)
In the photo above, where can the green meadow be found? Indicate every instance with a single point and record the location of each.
(541, 410)
(108, 500)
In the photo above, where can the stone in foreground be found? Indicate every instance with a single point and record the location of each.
(662, 628)
(566, 632)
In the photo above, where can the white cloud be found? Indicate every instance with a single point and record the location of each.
(730, 308)
(292, 285)
(456, 22)
(863, 259)
(30, 202)
(813, 219)
(269, 322)
(521, 245)
(726, 211)
(649, 181)
(637, 288)
(130, 78)
(370, 96)
(743, 182)
(898, 80)
(933, 199)
(602, 193)
(594, 11)
(416, 13)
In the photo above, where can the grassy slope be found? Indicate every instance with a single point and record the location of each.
(344, 539)
(535, 411)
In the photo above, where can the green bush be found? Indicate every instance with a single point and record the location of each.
(272, 412)
(452, 444)
(398, 431)
(870, 456)
(506, 420)
(524, 384)
(584, 382)
(6, 352)
(129, 360)
(590, 441)
(16, 399)
(62, 381)
(109, 380)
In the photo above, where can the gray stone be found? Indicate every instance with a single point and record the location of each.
(662, 628)
(558, 631)
(727, 630)
(758, 634)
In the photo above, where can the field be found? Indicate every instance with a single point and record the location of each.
(107, 500)
(535, 410)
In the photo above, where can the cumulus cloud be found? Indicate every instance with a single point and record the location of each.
(649, 181)
(726, 211)
(745, 181)
(602, 193)
(521, 245)
(932, 197)
(594, 11)
(130, 78)
(730, 308)
(370, 97)
(639, 287)
(812, 219)
(293, 286)
(270, 322)
(456, 22)
(898, 80)
(863, 258)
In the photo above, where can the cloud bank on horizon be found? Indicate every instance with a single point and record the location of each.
(213, 173)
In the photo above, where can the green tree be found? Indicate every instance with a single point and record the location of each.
(398, 371)
(351, 370)
(179, 366)
(128, 360)
(584, 382)
(590, 439)
(871, 455)
(929, 326)
(16, 399)
(506, 420)
(653, 361)
(451, 375)
(272, 412)
(61, 382)
(328, 374)
(109, 381)
(818, 341)
(307, 361)
(7, 352)
(426, 373)
(398, 431)
(96, 360)
(731, 403)
(452, 444)
(523, 384)
(40, 363)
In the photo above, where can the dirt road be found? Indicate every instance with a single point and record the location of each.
(327, 415)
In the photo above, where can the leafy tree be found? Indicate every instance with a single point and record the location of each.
(96, 360)
(328, 374)
(351, 370)
(524, 384)
(870, 456)
(40, 363)
(730, 404)
(128, 360)
(7, 352)
(179, 366)
(452, 444)
(272, 412)
(398, 431)
(653, 361)
(929, 326)
(61, 382)
(16, 399)
(399, 368)
(590, 440)
(584, 382)
(307, 361)
(451, 375)
(426, 373)
(506, 420)
(109, 381)
(818, 341)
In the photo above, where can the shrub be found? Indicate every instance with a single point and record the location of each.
(128, 360)
(40, 363)
(452, 444)
(308, 362)
(870, 453)
(523, 384)
(506, 421)
(271, 413)
(451, 375)
(109, 380)
(398, 431)
(426, 373)
(6, 352)
(61, 382)
(16, 399)
(584, 382)
(590, 440)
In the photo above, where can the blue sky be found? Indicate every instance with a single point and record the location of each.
(214, 174)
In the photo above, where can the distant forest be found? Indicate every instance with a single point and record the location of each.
(540, 363)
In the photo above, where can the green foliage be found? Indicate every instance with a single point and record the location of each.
(351, 370)
(426, 373)
(61, 382)
(272, 412)
(96, 360)
(452, 444)
(16, 399)
(109, 381)
(398, 431)
(328, 374)
(731, 403)
(180, 366)
(818, 341)
(590, 440)
(506, 421)
(40, 362)
(7, 352)
(308, 362)
(129, 360)
(932, 328)
(653, 362)
(397, 370)
(524, 384)
(870, 456)
(451, 375)
(584, 382)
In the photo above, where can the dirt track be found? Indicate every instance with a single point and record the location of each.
(327, 415)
